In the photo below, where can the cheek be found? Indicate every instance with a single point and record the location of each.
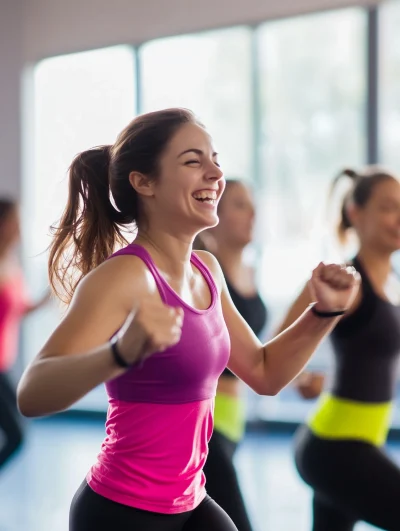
(169, 194)
(388, 221)
(377, 227)
(235, 220)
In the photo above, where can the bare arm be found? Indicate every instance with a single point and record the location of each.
(77, 357)
(309, 384)
(270, 367)
(298, 307)
(302, 302)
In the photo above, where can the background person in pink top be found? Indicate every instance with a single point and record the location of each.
(173, 325)
(14, 305)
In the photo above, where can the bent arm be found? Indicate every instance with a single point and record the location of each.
(77, 356)
(295, 311)
(268, 368)
(310, 384)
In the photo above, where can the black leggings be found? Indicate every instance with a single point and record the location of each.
(222, 482)
(352, 481)
(10, 420)
(92, 512)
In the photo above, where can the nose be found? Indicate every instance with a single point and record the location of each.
(214, 172)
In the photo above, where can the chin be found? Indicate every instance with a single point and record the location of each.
(209, 222)
(246, 241)
(392, 247)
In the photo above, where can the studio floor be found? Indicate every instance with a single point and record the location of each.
(37, 486)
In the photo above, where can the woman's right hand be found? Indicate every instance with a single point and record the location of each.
(310, 384)
(153, 327)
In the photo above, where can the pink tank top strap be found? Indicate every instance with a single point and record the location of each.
(204, 270)
(163, 287)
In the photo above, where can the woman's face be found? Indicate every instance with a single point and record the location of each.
(190, 184)
(236, 214)
(378, 222)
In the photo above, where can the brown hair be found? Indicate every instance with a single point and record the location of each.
(91, 227)
(7, 205)
(363, 185)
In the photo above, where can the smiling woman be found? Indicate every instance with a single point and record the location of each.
(344, 436)
(132, 177)
(177, 326)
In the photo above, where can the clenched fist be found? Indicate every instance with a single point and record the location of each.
(153, 327)
(310, 384)
(334, 287)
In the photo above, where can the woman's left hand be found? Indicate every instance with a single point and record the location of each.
(334, 287)
(310, 384)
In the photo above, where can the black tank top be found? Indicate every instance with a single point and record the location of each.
(366, 348)
(253, 311)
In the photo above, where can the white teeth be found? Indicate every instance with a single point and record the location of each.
(206, 195)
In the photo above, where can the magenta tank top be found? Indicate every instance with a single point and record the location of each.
(160, 415)
(13, 305)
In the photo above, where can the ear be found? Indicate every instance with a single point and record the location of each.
(141, 184)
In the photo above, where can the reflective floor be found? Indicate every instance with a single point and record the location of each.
(37, 486)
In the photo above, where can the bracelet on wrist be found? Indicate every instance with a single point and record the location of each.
(326, 315)
(118, 358)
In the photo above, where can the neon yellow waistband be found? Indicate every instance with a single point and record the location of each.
(229, 416)
(338, 418)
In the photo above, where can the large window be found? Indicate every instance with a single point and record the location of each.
(80, 101)
(313, 96)
(211, 74)
(286, 105)
(390, 85)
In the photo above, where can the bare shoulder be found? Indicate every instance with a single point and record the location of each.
(213, 265)
(101, 303)
(124, 278)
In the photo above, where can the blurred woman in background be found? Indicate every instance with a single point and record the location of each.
(227, 241)
(339, 452)
(14, 305)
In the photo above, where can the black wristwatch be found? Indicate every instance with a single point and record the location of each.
(118, 358)
(326, 315)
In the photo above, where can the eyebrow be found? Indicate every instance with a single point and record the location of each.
(197, 151)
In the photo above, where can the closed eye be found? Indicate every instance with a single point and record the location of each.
(198, 162)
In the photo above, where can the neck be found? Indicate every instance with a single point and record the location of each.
(6, 253)
(171, 251)
(378, 264)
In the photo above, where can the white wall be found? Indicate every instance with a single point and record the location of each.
(58, 26)
(10, 70)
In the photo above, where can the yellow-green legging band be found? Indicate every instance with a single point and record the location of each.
(229, 416)
(338, 418)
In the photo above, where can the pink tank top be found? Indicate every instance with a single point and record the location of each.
(13, 303)
(160, 415)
